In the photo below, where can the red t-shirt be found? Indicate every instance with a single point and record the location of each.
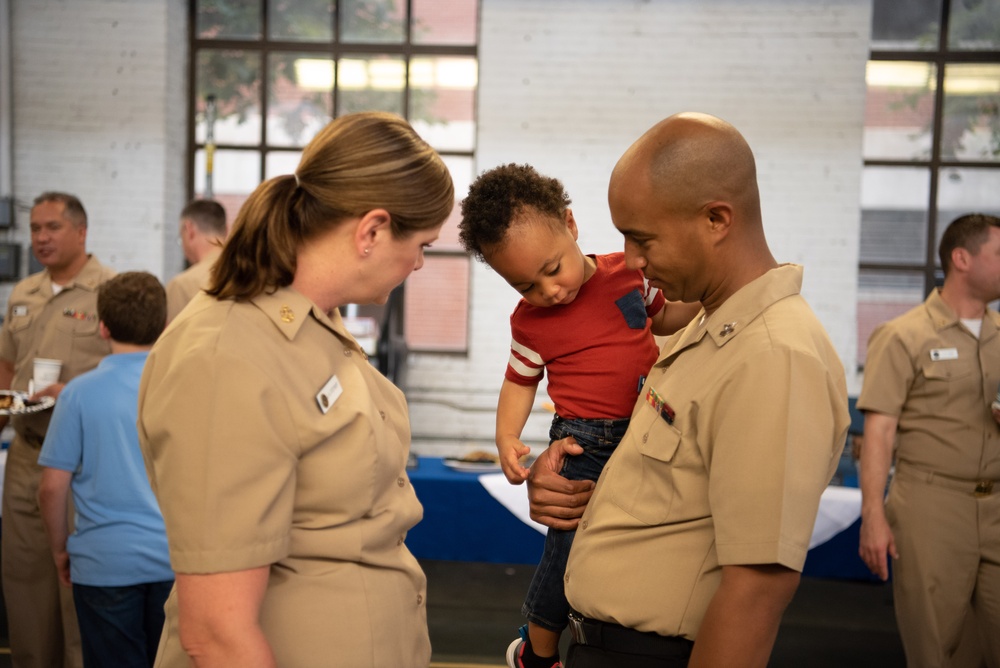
(596, 349)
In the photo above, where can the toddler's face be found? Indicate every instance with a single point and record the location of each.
(541, 259)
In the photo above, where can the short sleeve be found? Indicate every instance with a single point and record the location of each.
(525, 366)
(889, 373)
(63, 446)
(219, 446)
(774, 434)
(653, 298)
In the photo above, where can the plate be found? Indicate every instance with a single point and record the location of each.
(472, 467)
(21, 405)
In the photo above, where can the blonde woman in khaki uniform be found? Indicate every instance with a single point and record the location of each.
(277, 451)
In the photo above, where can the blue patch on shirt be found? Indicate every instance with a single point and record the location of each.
(633, 308)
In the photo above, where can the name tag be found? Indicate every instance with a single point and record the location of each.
(20, 309)
(938, 354)
(329, 394)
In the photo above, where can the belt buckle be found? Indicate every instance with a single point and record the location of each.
(576, 628)
(983, 488)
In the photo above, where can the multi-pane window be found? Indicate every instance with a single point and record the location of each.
(931, 144)
(267, 75)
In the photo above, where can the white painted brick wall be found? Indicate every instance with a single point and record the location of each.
(567, 85)
(99, 111)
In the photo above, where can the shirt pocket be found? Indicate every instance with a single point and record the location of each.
(19, 323)
(643, 479)
(77, 326)
(633, 309)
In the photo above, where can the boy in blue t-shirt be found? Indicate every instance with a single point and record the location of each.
(116, 559)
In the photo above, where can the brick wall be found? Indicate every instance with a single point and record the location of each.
(567, 85)
(99, 111)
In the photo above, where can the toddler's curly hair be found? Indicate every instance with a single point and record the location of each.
(497, 196)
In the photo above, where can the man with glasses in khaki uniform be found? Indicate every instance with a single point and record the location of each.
(51, 314)
(930, 378)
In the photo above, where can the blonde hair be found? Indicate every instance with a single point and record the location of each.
(357, 163)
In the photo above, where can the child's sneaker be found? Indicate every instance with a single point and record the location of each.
(515, 651)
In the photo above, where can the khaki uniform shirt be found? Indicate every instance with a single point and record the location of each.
(62, 326)
(270, 439)
(734, 437)
(182, 288)
(926, 369)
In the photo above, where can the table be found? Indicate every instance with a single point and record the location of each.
(481, 517)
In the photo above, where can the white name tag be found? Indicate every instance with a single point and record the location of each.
(329, 394)
(20, 309)
(938, 354)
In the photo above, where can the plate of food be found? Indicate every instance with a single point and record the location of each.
(17, 403)
(477, 461)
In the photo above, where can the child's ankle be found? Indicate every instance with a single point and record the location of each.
(532, 660)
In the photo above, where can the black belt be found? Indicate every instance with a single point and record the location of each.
(618, 638)
(978, 488)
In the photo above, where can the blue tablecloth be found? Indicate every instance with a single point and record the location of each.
(463, 522)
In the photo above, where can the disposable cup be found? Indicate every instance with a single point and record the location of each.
(46, 372)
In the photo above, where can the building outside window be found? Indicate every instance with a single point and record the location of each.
(267, 75)
(931, 144)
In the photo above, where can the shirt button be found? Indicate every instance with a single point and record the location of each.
(347, 352)
(645, 437)
(584, 524)
(401, 482)
(381, 414)
(420, 599)
(399, 541)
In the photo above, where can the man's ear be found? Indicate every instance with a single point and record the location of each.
(103, 330)
(720, 217)
(961, 258)
(371, 229)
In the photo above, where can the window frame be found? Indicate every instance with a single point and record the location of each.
(335, 49)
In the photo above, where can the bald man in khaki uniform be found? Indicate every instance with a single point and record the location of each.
(203, 229)
(51, 314)
(692, 543)
(930, 377)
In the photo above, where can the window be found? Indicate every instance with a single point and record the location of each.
(267, 75)
(931, 144)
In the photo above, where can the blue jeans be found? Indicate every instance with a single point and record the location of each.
(120, 626)
(545, 603)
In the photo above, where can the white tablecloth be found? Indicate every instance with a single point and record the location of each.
(839, 507)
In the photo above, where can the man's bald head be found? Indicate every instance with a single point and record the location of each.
(689, 160)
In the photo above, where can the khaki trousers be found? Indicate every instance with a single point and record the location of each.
(40, 612)
(948, 570)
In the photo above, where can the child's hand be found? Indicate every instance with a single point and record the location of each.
(510, 454)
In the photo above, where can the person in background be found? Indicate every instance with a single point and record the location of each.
(284, 486)
(586, 319)
(931, 376)
(203, 230)
(692, 543)
(116, 557)
(53, 315)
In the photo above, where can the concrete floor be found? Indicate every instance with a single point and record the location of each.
(474, 611)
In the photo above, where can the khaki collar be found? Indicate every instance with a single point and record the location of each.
(89, 278)
(942, 317)
(738, 311)
(289, 309)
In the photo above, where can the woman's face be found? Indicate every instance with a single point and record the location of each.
(398, 258)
